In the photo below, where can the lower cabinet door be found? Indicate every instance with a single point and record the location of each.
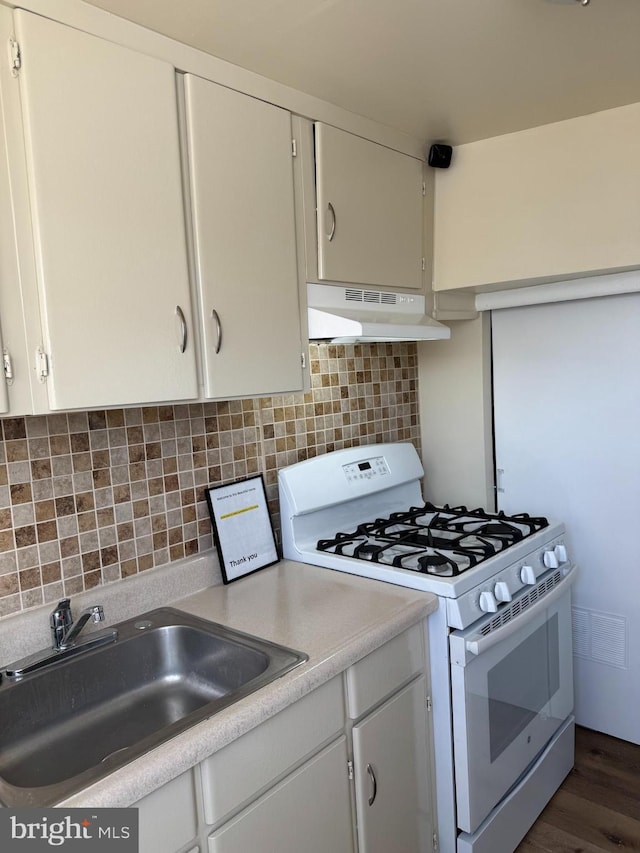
(308, 811)
(167, 817)
(392, 772)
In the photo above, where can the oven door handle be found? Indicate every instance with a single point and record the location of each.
(477, 647)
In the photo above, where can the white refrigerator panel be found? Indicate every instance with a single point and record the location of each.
(567, 434)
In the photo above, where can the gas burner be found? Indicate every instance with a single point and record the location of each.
(443, 541)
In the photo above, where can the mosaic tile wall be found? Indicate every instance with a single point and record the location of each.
(87, 498)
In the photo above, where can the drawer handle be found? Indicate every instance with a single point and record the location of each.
(183, 328)
(374, 784)
(332, 232)
(216, 317)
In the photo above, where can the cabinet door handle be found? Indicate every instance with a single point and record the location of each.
(332, 231)
(183, 329)
(216, 317)
(374, 784)
(8, 366)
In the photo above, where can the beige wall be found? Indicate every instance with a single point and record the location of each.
(561, 200)
(455, 415)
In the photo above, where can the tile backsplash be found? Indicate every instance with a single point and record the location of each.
(87, 498)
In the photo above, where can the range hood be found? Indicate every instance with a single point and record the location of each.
(347, 315)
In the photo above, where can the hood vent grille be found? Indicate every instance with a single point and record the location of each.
(353, 314)
(371, 296)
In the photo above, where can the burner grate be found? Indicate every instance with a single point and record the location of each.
(444, 541)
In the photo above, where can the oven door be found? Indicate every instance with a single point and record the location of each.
(512, 688)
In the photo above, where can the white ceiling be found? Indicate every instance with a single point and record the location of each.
(449, 70)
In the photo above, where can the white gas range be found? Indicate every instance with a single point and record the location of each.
(500, 642)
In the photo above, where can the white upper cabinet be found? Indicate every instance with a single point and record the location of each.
(4, 394)
(555, 202)
(242, 197)
(6, 271)
(369, 212)
(103, 159)
(15, 379)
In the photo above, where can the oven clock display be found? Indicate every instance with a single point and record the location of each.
(367, 469)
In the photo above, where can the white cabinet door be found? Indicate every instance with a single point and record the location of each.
(102, 141)
(308, 811)
(271, 750)
(5, 271)
(4, 396)
(370, 211)
(15, 395)
(392, 760)
(241, 179)
(168, 818)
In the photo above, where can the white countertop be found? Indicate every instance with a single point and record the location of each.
(335, 618)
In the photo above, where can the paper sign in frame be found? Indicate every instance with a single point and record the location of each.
(239, 511)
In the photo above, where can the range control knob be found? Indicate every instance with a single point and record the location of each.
(528, 575)
(501, 591)
(550, 560)
(561, 553)
(488, 604)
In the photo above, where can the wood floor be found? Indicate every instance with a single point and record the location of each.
(598, 806)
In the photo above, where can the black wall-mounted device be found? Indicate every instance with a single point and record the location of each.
(440, 156)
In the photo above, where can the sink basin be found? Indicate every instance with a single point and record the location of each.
(71, 723)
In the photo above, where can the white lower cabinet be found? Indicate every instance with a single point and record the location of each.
(168, 818)
(391, 764)
(387, 697)
(270, 751)
(309, 780)
(310, 810)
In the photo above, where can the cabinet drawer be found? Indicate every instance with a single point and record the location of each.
(383, 671)
(241, 770)
(308, 811)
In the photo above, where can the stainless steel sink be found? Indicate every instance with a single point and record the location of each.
(71, 723)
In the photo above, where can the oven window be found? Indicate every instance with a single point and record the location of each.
(521, 684)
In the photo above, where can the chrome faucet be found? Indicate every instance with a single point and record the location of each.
(64, 630)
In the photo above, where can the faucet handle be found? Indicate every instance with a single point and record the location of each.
(62, 612)
(60, 621)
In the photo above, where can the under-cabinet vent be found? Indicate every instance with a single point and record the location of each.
(600, 637)
(353, 294)
(350, 315)
(522, 603)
